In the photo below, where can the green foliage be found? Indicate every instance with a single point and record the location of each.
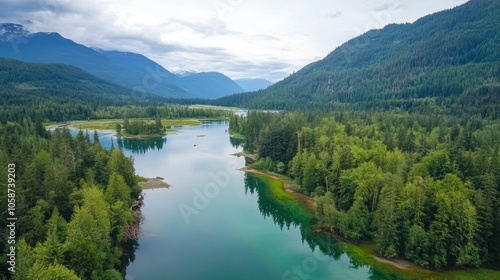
(73, 199)
(88, 241)
(417, 246)
(24, 262)
(117, 190)
(264, 164)
(386, 235)
(326, 212)
(61, 92)
(141, 127)
(432, 199)
(51, 272)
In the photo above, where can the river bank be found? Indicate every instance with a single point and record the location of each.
(110, 124)
(287, 185)
(153, 183)
(366, 252)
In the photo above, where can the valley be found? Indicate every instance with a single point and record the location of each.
(191, 145)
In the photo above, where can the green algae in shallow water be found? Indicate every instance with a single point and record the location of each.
(287, 209)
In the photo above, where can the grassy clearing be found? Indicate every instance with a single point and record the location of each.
(179, 122)
(111, 124)
(97, 124)
(215, 107)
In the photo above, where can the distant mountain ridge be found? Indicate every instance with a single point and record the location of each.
(253, 84)
(130, 70)
(439, 60)
(213, 84)
(59, 92)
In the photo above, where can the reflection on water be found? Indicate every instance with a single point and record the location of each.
(288, 211)
(141, 146)
(128, 247)
(236, 142)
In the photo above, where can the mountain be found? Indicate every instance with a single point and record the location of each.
(143, 74)
(183, 73)
(130, 70)
(11, 31)
(55, 91)
(440, 62)
(253, 84)
(212, 84)
(53, 48)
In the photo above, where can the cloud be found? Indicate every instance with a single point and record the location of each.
(334, 14)
(258, 39)
(212, 27)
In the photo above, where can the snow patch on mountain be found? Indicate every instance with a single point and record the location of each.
(11, 31)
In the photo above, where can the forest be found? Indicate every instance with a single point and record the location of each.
(140, 127)
(73, 203)
(425, 188)
(395, 134)
(59, 93)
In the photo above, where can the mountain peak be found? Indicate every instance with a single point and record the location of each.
(10, 31)
(183, 73)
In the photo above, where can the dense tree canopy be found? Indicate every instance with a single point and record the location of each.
(421, 187)
(72, 203)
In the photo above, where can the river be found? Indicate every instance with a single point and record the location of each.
(217, 222)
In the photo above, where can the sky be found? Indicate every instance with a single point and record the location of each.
(239, 38)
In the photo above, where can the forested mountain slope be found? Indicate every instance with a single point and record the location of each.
(56, 91)
(131, 70)
(448, 61)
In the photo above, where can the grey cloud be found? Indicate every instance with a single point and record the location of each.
(265, 37)
(334, 14)
(91, 26)
(389, 5)
(211, 27)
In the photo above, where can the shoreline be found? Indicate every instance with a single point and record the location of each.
(141, 137)
(287, 186)
(105, 125)
(153, 184)
(401, 265)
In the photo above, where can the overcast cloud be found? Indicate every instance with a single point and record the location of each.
(240, 38)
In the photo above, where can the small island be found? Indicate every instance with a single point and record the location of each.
(141, 129)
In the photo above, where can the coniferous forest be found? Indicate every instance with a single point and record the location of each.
(76, 202)
(421, 187)
(395, 136)
(73, 200)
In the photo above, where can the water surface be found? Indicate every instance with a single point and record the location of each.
(217, 222)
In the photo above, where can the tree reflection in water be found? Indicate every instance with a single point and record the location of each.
(288, 211)
(141, 146)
